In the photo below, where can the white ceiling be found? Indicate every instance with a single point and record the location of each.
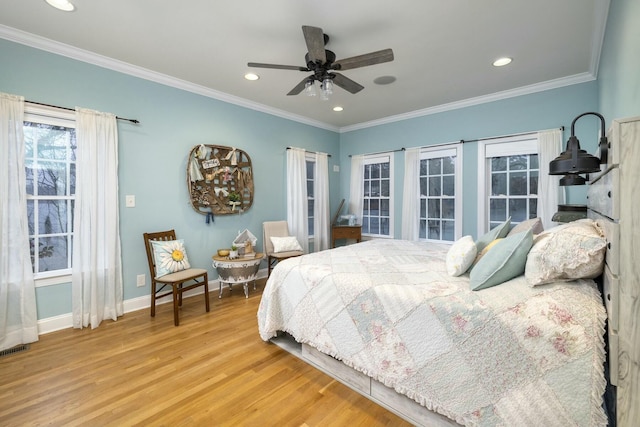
(443, 48)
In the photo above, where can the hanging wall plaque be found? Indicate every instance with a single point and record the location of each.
(220, 180)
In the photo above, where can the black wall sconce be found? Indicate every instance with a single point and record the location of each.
(574, 161)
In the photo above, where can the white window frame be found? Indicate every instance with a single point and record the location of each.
(373, 159)
(57, 117)
(447, 151)
(498, 147)
(310, 158)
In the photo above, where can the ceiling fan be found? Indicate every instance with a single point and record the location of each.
(322, 62)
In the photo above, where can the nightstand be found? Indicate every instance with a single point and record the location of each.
(345, 232)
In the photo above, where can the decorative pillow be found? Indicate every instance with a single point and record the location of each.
(534, 224)
(498, 231)
(285, 244)
(170, 256)
(506, 260)
(487, 249)
(461, 256)
(575, 250)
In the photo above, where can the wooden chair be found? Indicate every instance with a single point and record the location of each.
(175, 280)
(275, 229)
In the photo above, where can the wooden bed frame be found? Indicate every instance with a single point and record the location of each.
(613, 201)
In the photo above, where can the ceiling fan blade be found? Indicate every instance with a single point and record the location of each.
(279, 67)
(299, 87)
(346, 83)
(385, 55)
(314, 37)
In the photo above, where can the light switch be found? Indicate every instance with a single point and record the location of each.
(336, 168)
(130, 201)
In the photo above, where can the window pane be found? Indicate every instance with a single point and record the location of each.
(423, 186)
(448, 186)
(310, 166)
(423, 167)
(434, 208)
(497, 210)
(52, 216)
(52, 254)
(384, 207)
(533, 161)
(448, 231)
(367, 189)
(310, 189)
(434, 230)
(365, 207)
(498, 163)
(518, 209)
(367, 171)
(518, 162)
(449, 165)
(365, 224)
(384, 170)
(448, 208)
(30, 216)
(385, 188)
(434, 186)
(375, 188)
(499, 184)
(375, 171)
(52, 179)
(518, 184)
(533, 208)
(435, 166)
(533, 182)
(423, 229)
(423, 208)
(374, 207)
(384, 226)
(374, 225)
(28, 169)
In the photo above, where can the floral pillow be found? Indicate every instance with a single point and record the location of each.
(570, 251)
(460, 256)
(170, 256)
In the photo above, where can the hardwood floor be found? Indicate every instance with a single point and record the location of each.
(212, 370)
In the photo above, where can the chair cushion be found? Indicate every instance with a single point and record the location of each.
(181, 275)
(285, 244)
(170, 256)
(287, 254)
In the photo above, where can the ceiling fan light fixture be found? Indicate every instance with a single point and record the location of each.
(327, 86)
(310, 88)
(63, 5)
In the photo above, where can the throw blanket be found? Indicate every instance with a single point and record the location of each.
(511, 355)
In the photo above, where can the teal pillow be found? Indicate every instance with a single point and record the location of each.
(499, 231)
(506, 260)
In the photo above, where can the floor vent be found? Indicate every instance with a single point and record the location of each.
(13, 350)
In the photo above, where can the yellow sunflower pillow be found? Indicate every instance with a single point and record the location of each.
(170, 256)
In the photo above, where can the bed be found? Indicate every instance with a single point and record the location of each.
(387, 319)
(389, 310)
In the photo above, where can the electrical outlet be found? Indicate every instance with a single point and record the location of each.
(336, 168)
(130, 201)
(140, 280)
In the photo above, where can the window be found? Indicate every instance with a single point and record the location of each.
(311, 166)
(510, 167)
(440, 194)
(50, 144)
(377, 207)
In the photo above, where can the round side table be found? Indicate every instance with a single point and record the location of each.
(238, 270)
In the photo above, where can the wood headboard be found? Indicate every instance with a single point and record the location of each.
(613, 202)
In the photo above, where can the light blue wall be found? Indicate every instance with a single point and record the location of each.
(619, 72)
(539, 111)
(152, 155)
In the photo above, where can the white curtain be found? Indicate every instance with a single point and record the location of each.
(97, 264)
(411, 195)
(297, 217)
(18, 315)
(321, 205)
(550, 193)
(356, 191)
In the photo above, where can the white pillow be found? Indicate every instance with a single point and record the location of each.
(285, 244)
(461, 255)
(575, 250)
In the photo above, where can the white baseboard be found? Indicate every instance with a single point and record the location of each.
(64, 321)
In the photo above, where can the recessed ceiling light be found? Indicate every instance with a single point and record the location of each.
(337, 108)
(251, 76)
(502, 61)
(65, 5)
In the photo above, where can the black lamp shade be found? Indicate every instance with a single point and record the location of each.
(574, 160)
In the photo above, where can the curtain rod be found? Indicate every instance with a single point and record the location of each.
(73, 109)
(505, 136)
(312, 152)
(381, 152)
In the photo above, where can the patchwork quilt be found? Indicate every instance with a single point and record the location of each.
(510, 355)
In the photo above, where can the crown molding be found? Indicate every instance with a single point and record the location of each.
(62, 49)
